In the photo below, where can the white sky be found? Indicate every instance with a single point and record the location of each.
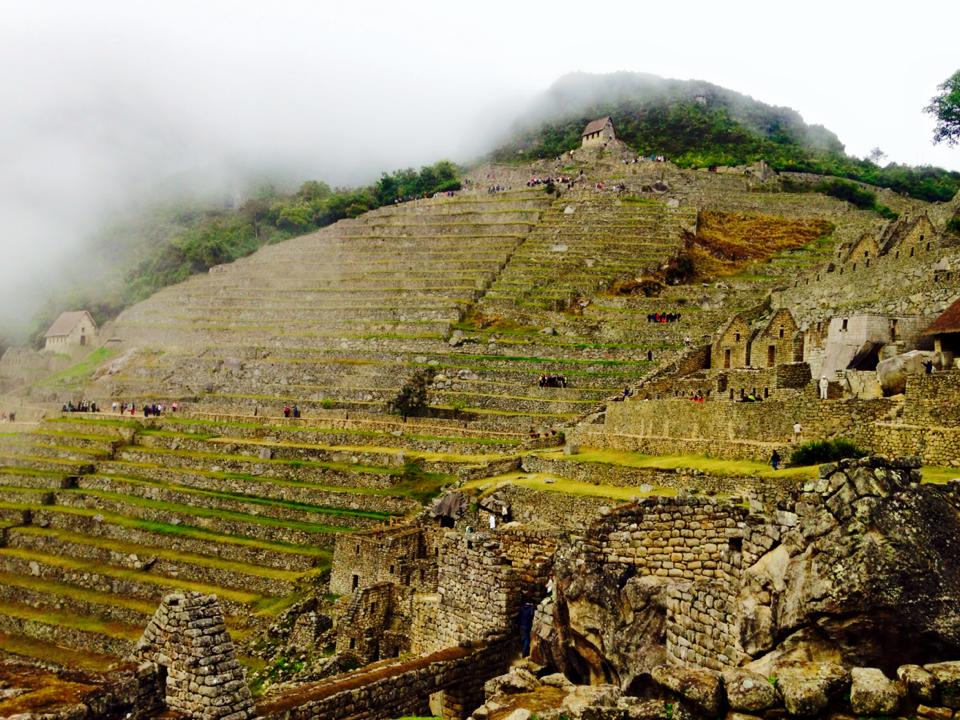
(103, 101)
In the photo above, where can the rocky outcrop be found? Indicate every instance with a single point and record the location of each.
(869, 571)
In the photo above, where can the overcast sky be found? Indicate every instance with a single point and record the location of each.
(104, 102)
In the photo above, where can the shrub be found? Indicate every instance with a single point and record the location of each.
(824, 451)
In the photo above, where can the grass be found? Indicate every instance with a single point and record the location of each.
(80, 372)
(251, 499)
(557, 484)
(216, 514)
(49, 616)
(187, 531)
(178, 556)
(714, 466)
(50, 652)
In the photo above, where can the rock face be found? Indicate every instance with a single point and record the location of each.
(893, 372)
(872, 569)
(861, 567)
(607, 628)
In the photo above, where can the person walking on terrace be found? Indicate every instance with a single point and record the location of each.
(775, 460)
(797, 431)
(824, 387)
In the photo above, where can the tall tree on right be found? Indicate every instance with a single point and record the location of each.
(945, 107)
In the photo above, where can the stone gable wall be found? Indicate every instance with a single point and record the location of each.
(479, 590)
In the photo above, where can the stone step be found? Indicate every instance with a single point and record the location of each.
(226, 522)
(157, 560)
(68, 630)
(94, 577)
(198, 541)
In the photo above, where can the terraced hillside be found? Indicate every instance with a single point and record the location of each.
(104, 514)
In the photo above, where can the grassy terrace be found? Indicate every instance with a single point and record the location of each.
(321, 555)
(239, 498)
(126, 548)
(53, 653)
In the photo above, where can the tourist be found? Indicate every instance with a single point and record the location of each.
(173, 406)
(493, 522)
(775, 460)
(824, 387)
(928, 367)
(797, 431)
(296, 411)
(286, 411)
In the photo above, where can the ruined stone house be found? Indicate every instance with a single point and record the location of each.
(732, 346)
(909, 237)
(774, 343)
(855, 342)
(945, 332)
(597, 132)
(75, 328)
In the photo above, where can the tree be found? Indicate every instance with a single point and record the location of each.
(876, 156)
(412, 398)
(945, 108)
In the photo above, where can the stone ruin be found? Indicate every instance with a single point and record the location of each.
(198, 673)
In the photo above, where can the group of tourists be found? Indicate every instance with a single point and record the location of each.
(494, 189)
(552, 381)
(81, 406)
(149, 409)
(663, 317)
(535, 180)
(289, 411)
(698, 396)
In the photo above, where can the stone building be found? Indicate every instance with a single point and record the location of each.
(197, 666)
(855, 341)
(773, 344)
(597, 132)
(732, 347)
(72, 329)
(909, 237)
(945, 332)
(404, 555)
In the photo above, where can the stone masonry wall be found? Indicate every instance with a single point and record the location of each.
(479, 590)
(188, 638)
(530, 552)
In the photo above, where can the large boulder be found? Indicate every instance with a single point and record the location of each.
(808, 689)
(872, 693)
(920, 683)
(947, 675)
(852, 579)
(748, 691)
(701, 688)
(894, 371)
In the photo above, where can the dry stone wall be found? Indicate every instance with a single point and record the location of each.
(188, 640)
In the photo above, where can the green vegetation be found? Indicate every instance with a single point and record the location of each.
(945, 108)
(845, 190)
(824, 451)
(696, 124)
(411, 400)
(82, 371)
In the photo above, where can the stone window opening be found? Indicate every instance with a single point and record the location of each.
(781, 332)
(355, 582)
(353, 643)
(911, 252)
(737, 337)
(358, 548)
(766, 393)
(392, 569)
(854, 268)
(896, 255)
(928, 247)
(772, 355)
(726, 358)
(866, 263)
(735, 545)
(843, 327)
(841, 269)
(731, 393)
(373, 607)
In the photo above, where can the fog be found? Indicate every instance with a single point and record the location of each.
(110, 105)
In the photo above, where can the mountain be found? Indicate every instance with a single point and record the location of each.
(698, 124)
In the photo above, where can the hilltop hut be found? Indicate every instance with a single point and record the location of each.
(75, 328)
(945, 331)
(597, 132)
